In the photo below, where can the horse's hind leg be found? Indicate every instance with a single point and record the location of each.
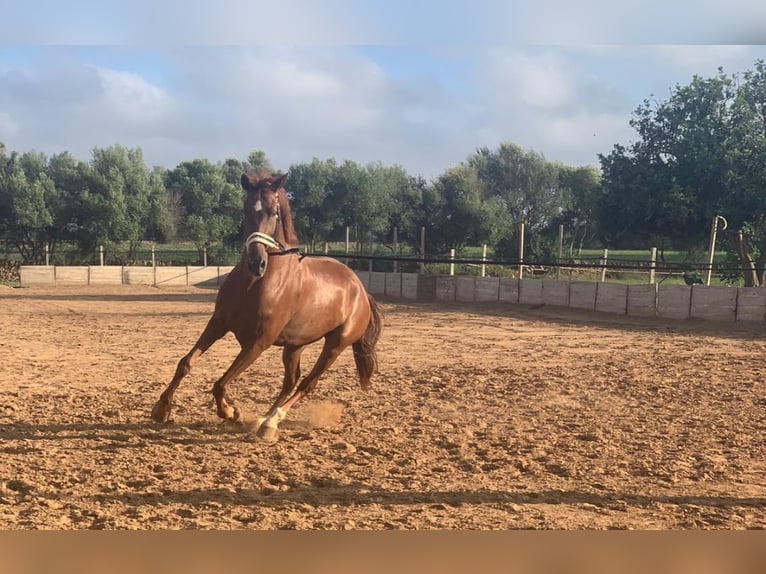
(333, 347)
(291, 359)
(214, 330)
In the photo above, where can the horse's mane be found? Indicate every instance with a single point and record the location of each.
(286, 217)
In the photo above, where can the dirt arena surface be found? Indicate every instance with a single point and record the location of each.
(484, 417)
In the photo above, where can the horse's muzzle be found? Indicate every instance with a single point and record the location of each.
(257, 265)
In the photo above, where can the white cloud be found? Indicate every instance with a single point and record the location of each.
(8, 127)
(542, 100)
(704, 60)
(537, 81)
(296, 102)
(131, 98)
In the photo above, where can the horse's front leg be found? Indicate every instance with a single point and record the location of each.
(214, 330)
(248, 354)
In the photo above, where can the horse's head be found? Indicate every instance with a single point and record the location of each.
(263, 214)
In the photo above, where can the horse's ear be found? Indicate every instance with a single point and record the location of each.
(278, 181)
(247, 185)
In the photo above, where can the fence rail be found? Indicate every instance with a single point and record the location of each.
(647, 300)
(606, 268)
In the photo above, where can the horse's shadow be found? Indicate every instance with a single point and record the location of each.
(328, 492)
(114, 435)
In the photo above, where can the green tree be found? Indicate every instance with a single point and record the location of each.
(406, 211)
(258, 161)
(316, 212)
(364, 195)
(464, 216)
(582, 185)
(119, 198)
(212, 206)
(745, 204)
(701, 152)
(26, 193)
(523, 187)
(165, 209)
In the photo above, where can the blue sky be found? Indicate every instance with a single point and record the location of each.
(397, 82)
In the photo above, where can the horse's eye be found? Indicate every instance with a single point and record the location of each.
(257, 207)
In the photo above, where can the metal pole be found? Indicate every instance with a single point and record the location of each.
(348, 238)
(484, 258)
(47, 255)
(452, 265)
(101, 255)
(654, 265)
(154, 259)
(204, 256)
(521, 250)
(422, 247)
(711, 251)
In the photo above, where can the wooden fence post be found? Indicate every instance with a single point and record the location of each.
(521, 250)
(603, 263)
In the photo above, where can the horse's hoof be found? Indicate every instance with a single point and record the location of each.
(160, 412)
(269, 434)
(225, 412)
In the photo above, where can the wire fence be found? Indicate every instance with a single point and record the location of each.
(586, 268)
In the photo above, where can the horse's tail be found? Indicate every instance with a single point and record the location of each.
(364, 349)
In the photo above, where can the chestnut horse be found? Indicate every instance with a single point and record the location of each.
(275, 296)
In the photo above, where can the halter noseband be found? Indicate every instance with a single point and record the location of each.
(267, 240)
(263, 239)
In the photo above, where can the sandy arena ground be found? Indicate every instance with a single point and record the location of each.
(480, 418)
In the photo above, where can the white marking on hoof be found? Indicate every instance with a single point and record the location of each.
(267, 432)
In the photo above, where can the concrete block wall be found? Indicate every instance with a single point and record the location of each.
(509, 290)
(673, 301)
(465, 289)
(75, 275)
(203, 276)
(713, 303)
(612, 298)
(530, 292)
(139, 275)
(487, 289)
(410, 286)
(666, 301)
(751, 304)
(377, 283)
(555, 293)
(106, 275)
(393, 285)
(445, 288)
(168, 276)
(642, 300)
(582, 295)
(37, 275)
